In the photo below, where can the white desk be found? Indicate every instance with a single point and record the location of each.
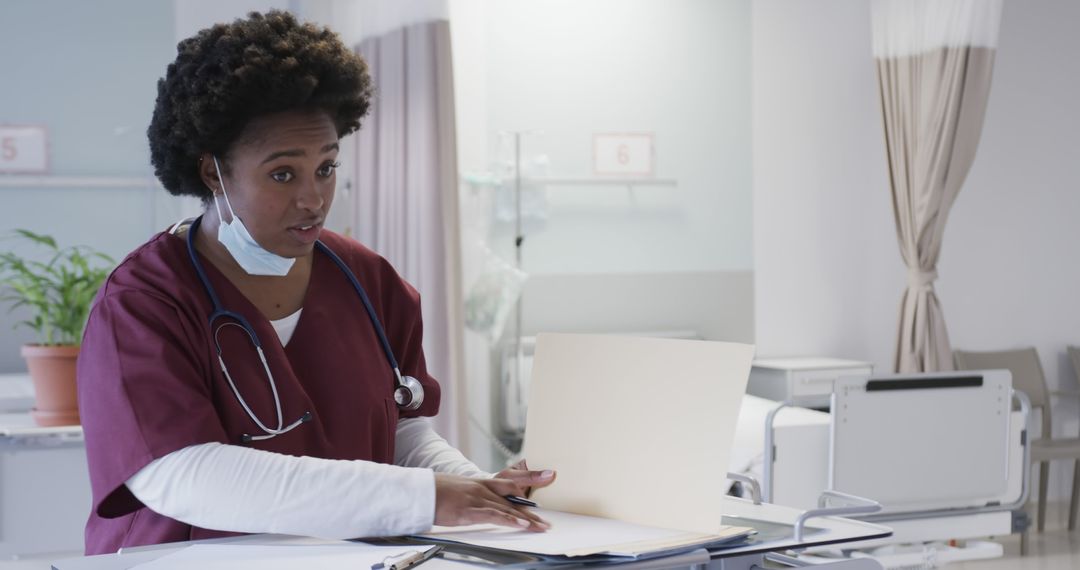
(18, 428)
(44, 482)
(829, 530)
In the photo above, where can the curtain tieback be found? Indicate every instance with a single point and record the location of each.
(917, 278)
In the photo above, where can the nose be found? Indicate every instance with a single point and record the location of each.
(311, 196)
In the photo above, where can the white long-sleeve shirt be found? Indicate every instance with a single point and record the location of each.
(234, 488)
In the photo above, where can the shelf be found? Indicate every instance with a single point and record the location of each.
(20, 426)
(488, 180)
(668, 182)
(49, 181)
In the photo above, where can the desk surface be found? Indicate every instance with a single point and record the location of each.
(832, 531)
(19, 425)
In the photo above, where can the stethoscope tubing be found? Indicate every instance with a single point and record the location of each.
(219, 312)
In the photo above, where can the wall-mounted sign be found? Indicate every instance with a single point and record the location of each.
(24, 149)
(625, 154)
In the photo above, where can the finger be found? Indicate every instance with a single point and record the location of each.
(498, 516)
(518, 478)
(536, 523)
(528, 481)
(496, 491)
(520, 510)
(536, 478)
(502, 486)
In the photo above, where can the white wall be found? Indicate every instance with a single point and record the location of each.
(608, 259)
(827, 268)
(190, 16)
(828, 275)
(88, 73)
(1013, 238)
(643, 303)
(678, 69)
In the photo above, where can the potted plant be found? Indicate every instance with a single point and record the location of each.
(58, 293)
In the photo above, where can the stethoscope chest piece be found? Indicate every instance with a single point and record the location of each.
(409, 394)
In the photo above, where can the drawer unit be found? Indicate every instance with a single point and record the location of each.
(802, 378)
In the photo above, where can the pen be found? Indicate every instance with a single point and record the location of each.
(414, 559)
(520, 501)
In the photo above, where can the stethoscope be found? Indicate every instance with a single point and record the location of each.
(408, 392)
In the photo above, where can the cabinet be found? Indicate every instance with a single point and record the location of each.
(801, 379)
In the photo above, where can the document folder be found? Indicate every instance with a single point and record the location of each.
(575, 536)
(639, 431)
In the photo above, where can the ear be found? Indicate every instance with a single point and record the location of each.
(208, 173)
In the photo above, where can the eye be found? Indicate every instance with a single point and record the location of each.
(327, 170)
(282, 176)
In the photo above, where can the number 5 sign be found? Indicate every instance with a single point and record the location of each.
(626, 154)
(23, 149)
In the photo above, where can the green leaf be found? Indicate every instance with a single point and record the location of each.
(38, 238)
(58, 292)
(103, 257)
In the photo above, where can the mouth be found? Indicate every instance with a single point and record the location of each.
(306, 233)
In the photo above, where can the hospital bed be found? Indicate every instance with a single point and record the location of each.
(945, 455)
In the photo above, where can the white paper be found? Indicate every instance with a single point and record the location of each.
(278, 557)
(638, 429)
(580, 535)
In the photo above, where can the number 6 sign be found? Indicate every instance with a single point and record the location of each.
(23, 149)
(626, 154)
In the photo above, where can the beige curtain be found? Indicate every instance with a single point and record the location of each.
(934, 61)
(406, 205)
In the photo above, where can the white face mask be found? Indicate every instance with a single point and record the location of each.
(245, 250)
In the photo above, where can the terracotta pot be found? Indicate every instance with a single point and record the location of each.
(52, 369)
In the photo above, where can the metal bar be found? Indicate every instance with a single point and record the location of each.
(519, 239)
(770, 450)
(1025, 440)
(755, 487)
(855, 506)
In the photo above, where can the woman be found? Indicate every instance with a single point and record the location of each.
(249, 371)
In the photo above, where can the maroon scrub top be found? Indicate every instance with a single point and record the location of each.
(150, 384)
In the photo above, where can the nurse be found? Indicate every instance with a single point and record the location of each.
(249, 371)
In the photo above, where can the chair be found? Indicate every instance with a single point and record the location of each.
(1027, 374)
(1074, 357)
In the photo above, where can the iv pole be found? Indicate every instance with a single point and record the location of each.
(519, 238)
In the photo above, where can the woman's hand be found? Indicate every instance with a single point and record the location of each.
(461, 501)
(525, 479)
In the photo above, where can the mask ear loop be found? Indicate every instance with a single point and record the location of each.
(232, 214)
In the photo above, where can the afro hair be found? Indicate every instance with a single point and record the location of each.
(228, 74)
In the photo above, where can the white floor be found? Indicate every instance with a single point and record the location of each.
(1054, 549)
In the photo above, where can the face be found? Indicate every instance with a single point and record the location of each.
(280, 179)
